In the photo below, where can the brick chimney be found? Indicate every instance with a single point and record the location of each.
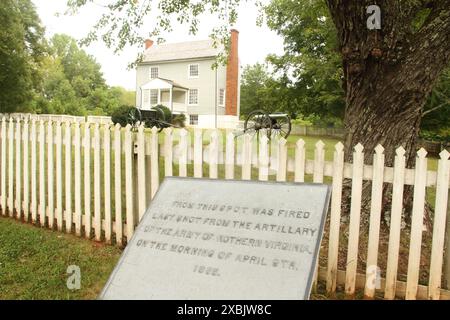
(148, 43)
(232, 92)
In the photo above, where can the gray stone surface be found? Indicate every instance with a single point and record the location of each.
(215, 239)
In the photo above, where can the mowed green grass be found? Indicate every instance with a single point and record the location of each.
(34, 262)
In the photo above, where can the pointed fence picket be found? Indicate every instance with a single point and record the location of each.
(107, 182)
(50, 176)
(198, 153)
(87, 181)
(18, 170)
(40, 160)
(118, 184)
(230, 156)
(213, 155)
(264, 158)
(335, 218)
(4, 142)
(355, 215)
(440, 213)
(372, 269)
(395, 224)
(42, 174)
(59, 180)
(68, 175)
(417, 225)
(77, 177)
(26, 172)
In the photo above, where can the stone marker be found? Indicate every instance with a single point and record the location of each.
(214, 239)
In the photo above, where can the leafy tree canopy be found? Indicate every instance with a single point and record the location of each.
(22, 52)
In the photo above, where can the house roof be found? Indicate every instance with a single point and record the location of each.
(180, 51)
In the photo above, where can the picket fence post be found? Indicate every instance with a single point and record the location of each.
(263, 158)
(107, 181)
(34, 201)
(247, 157)
(87, 181)
(11, 168)
(154, 162)
(42, 194)
(229, 156)
(395, 224)
(59, 181)
(77, 177)
(26, 170)
(129, 181)
(168, 152)
(440, 215)
(3, 169)
(355, 216)
(68, 175)
(198, 153)
(213, 155)
(183, 149)
(300, 161)
(335, 217)
(142, 195)
(118, 184)
(372, 269)
(18, 168)
(415, 245)
(282, 160)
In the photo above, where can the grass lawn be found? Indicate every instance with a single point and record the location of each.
(34, 261)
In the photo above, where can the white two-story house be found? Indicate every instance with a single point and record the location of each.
(181, 76)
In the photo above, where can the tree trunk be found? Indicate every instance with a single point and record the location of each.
(388, 74)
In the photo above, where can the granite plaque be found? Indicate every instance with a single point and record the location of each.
(214, 239)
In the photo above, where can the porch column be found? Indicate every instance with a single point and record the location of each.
(159, 96)
(171, 99)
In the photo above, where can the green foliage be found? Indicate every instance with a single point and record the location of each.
(166, 111)
(311, 64)
(179, 120)
(120, 115)
(73, 83)
(121, 23)
(437, 109)
(22, 50)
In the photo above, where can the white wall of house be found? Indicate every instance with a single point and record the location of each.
(208, 83)
(223, 122)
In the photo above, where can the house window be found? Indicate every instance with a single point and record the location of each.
(193, 97)
(154, 97)
(193, 119)
(193, 70)
(221, 97)
(154, 72)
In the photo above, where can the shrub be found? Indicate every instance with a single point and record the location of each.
(179, 120)
(166, 111)
(120, 115)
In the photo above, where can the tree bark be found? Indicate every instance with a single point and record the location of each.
(388, 74)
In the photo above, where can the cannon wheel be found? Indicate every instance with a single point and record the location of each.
(256, 121)
(134, 118)
(281, 127)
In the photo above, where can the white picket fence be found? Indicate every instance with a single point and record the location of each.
(96, 180)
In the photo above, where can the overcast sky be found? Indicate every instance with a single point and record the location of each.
(255, 43)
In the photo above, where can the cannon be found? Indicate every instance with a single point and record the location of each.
(155, 117)
(276, 124)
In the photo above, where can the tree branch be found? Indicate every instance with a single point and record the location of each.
(435, 108)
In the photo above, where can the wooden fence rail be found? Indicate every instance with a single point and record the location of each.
(96, 180)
